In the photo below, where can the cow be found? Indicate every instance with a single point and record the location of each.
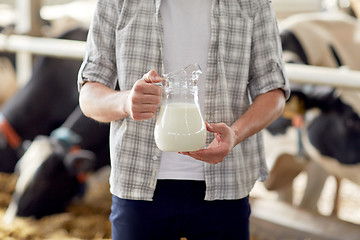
(327, 39)
(320, 39)
(331, 133)
(41, 105)
(285, 150)
(54, 168)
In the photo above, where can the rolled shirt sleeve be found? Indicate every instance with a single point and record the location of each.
(266, 67)
(99, 64)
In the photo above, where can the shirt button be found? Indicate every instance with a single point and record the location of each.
(210, 116)
(154, 158)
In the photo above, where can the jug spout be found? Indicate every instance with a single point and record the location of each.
(185, 77)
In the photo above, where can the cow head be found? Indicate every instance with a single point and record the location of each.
(335, 132)
(51, 173)
(334, 128)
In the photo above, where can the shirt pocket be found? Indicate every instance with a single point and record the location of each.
(235, 34)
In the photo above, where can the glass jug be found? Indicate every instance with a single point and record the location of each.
(180, 126)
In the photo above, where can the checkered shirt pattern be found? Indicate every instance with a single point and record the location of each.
(244, 60)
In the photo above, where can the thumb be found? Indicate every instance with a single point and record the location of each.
(216, 128)
(152, 77)
(211, 127)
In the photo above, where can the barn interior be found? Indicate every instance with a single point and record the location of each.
(310, 194)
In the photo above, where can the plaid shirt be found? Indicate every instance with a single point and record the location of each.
(245, 60)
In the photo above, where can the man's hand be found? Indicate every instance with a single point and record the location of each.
(265, 109)
(144, 97)
(219, 148)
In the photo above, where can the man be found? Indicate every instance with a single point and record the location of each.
(201, 194)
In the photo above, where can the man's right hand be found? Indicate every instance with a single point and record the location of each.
(144, 98)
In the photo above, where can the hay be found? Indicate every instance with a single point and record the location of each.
(86, 218)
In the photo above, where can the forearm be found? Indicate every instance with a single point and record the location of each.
(105, 104)
(102, 103)
(264, 110)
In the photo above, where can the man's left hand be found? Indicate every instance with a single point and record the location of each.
(219, 148)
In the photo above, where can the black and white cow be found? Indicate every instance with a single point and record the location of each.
(330, 132)
(53, 169)
(331, 135)
(328, 40)
(41, 105)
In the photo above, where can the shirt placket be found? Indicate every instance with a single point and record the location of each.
(156, 153)
(210, 100)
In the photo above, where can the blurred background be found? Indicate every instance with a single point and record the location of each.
(54, 162)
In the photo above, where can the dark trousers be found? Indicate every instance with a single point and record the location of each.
(179, 210)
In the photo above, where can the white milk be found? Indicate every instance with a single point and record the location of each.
(180, 128)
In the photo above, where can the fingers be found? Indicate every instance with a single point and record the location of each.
(142, 111)
(149, 84)
(143, 105)
(146, 91)
(145, 96)
(212, 155)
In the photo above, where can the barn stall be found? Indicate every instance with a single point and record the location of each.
(87, 218)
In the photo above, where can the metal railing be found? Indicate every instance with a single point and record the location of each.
(334, 77)
(60, 48)
(305, 74)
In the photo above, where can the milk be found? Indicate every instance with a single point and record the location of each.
(180, 128)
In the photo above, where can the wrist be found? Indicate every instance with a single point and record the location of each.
(126, 106)
(237, 136)
(240, 130)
